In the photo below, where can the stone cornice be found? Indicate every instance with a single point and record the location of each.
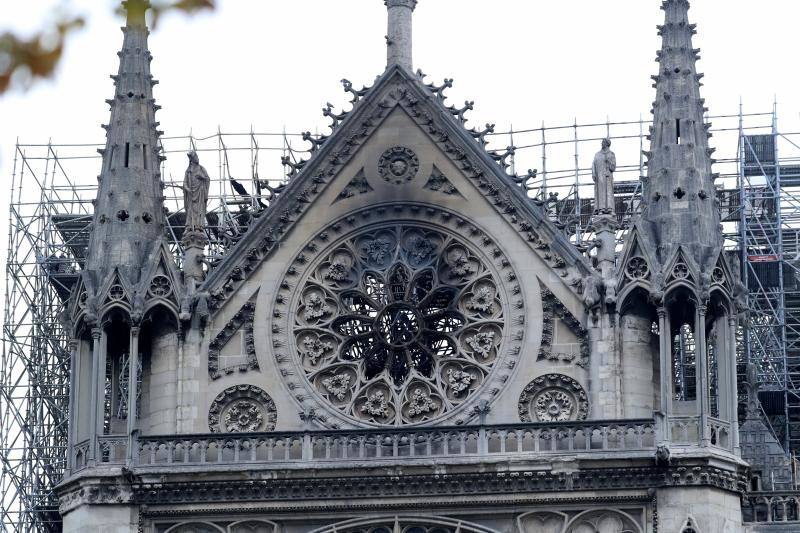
(314, 488)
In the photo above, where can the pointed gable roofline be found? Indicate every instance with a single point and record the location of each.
(396, 87)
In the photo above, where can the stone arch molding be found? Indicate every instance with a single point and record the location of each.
(243, 526)
(404, 524)
(592, 521)
(397, 315)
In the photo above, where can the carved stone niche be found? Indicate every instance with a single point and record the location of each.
(242, 409)
(553, 398)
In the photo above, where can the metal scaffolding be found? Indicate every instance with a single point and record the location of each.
(50, 219)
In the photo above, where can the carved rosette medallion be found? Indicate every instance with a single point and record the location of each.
(397, 322)
(398, 165)
(242, 409)
(553, 398)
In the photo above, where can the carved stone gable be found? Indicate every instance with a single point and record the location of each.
(400, 165)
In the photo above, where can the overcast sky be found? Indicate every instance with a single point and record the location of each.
(273, 64)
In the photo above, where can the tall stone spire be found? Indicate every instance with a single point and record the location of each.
(678, 193)
(129, 212)
(399, 35)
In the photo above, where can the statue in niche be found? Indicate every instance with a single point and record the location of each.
(603, 167)
(195, 193)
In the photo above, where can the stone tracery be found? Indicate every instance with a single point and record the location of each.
(398, 324)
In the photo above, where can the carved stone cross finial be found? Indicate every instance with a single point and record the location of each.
(398, 37)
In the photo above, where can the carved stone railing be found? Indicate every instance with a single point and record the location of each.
(80, 455)
(772, 507)
(112, 449)
(389, 444)
(686, 430)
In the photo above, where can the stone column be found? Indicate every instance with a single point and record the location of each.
(731, 356)
(701, 380)
(133, 389)
(98, 390)
(665, 371)
(398, 37)
(74, 381)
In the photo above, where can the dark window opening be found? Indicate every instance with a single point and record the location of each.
(679, 193)
(127, 154)
(684, 364)
(144, 156)
(678, 131)
(122, 215)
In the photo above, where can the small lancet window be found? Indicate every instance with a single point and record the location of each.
(144, 156)
(678, 130)
(127, 154)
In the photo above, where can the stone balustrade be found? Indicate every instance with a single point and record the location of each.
(772, 507)
(685, 430)
(380, 444)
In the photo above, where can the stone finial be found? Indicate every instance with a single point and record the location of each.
(398, 37)
(135, 10)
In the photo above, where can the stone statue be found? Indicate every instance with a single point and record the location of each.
(752, 384)
(195, 193)
(603, 167)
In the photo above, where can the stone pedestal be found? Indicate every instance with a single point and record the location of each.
(194, 243)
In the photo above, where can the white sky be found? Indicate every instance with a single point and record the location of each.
(274, 64)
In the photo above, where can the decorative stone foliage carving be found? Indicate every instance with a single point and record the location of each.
(398, 165)
(242, 408)
(553, 398)
(438, 182)
(357, 185)
(397, 323)
(553, 310)
(242, 319)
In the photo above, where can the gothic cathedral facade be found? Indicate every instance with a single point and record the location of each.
(403, 341)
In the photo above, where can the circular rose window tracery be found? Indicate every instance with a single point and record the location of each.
(398, 324)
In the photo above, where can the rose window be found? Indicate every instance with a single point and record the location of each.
(398, 325)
